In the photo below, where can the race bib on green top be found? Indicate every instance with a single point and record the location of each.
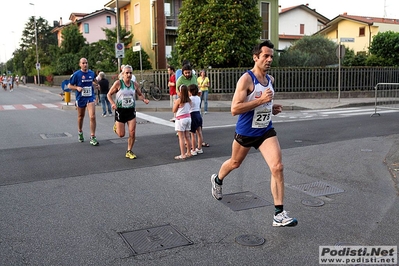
(127, 101)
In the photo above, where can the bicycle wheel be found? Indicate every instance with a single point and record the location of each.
(144, 92)
(156, 93)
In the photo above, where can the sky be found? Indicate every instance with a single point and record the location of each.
(332, 8)
(17, 13)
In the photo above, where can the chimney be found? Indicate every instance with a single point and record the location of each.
(60, 21)
(345, 13)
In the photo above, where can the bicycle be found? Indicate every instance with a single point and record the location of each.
(153, 90)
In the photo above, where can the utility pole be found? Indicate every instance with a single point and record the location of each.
(117, 33)
(37, 53)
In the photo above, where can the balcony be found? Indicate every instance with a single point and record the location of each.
(172, 22)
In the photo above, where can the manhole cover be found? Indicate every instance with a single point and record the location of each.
(55, 135)
(154, 239)
(243, 201)
(313, 202)
(317, 189)
(250, 240)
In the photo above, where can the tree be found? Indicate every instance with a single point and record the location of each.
(71, 50)
(19, 57)
(133, 59)
(102, 53)
(45, 40)
(218, 33)
(310, 51)
(352, 59)
(72, 40)
(385, 49)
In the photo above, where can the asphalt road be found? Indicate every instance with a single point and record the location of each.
(67, 203)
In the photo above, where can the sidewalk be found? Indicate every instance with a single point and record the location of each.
(224, 106)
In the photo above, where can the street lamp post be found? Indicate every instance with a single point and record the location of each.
(37, 53)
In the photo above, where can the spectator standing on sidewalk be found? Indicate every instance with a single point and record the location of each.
(81, 82)
(253, 102)
(196, 121)
(125, 107)
(172, 87)
(183, 122)
(103, 83)
(203, 84)
(97, 87)
(187, 78)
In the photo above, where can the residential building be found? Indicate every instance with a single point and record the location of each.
(154, 25)
(298, 21)
(90, 25)
(360, 29)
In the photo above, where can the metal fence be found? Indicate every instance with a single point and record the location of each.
(286, 79)
(386, 96)
(298, 79)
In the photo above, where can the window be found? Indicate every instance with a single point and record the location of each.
(86, 27)
(136, 13)
(170, 13)
(301, 28)
(362, 31)
(126, 19)
(265, 14)
(108, 20)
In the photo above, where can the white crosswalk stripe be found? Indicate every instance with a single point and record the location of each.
(35, 106)
(291, 116)
(29, 106)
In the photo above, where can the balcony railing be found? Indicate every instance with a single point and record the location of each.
(172, 21)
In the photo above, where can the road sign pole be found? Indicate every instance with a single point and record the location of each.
(141, 67)
(339, 72)
(341, 53)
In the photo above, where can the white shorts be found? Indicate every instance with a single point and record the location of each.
(183, 124)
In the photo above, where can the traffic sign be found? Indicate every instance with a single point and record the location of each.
(347, 40)
(119, 50)
(38, 66)
(136, 48)
(340, 51)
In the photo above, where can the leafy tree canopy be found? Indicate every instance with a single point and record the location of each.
(310, 51)
(26, 55)
(218, 33)
(102, 53)
(385, 49)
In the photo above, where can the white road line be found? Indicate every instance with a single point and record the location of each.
(155, 120)
(167, 123)
(330, 110)
(8, 107)
(372, 112)
(348, 111)
(49, 105)
(29, 106)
